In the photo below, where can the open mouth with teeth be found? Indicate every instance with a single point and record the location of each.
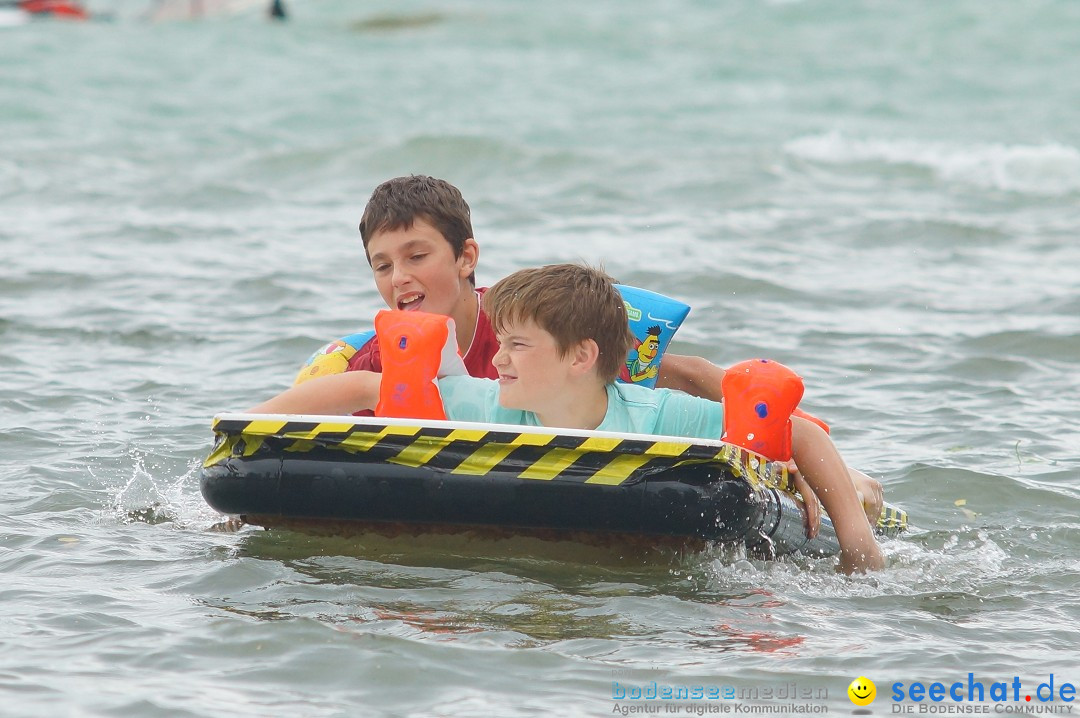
(410, 302)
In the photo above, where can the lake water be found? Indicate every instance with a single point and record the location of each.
(884, 196)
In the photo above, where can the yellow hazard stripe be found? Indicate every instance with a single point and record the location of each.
(263, 426)
(667, 448)
(618, 469)
(473, 435)
(305, 438)
(893, 518)
(603, 444)
(426, 448)
(487, 457)
(420, 451)
(323, 428)
(234, 446)
(364, 440)
(551, 464)
(221, 452)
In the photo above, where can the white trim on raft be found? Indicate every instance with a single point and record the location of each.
(471, 426)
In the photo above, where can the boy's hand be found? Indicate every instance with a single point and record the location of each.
(870, 495)
(810, 500)
(857, 561)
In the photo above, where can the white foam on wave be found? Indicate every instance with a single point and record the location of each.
(1049, 169)
(967, 560)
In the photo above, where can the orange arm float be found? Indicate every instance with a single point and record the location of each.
(413, 346)
(759, 398)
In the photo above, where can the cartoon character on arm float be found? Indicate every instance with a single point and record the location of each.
(654, 319)
(639, 365)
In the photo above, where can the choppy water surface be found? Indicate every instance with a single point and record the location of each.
(883, 196)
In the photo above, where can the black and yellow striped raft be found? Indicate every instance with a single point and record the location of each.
(402, 474)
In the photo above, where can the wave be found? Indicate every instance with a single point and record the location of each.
(1048, 169)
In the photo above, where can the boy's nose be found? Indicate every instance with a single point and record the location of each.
(499, 358)
(401, 277)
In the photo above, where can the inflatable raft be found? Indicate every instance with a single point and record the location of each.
(389, 475)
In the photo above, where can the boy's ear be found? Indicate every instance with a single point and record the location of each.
(470, 255)
(584, 355)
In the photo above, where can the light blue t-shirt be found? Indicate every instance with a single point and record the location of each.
(630, 410)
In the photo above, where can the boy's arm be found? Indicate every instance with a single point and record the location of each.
(334, 394)
(700, 377)
(828, 476)
(693, 375)
(868, 489)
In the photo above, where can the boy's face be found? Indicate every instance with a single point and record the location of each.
(415, 269)
(532, 375)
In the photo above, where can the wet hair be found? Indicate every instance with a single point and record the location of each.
(571, 302)
(399, 202)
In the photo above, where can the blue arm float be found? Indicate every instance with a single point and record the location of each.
(654, 320)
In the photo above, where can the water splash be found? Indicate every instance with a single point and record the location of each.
(154, 494)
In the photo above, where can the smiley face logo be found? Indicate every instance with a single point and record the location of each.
(862, 691)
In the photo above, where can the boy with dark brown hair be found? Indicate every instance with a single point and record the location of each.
(418, 239)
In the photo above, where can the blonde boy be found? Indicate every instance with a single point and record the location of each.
(563, 334)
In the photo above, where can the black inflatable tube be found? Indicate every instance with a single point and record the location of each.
(429, 476)
(328, 485)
